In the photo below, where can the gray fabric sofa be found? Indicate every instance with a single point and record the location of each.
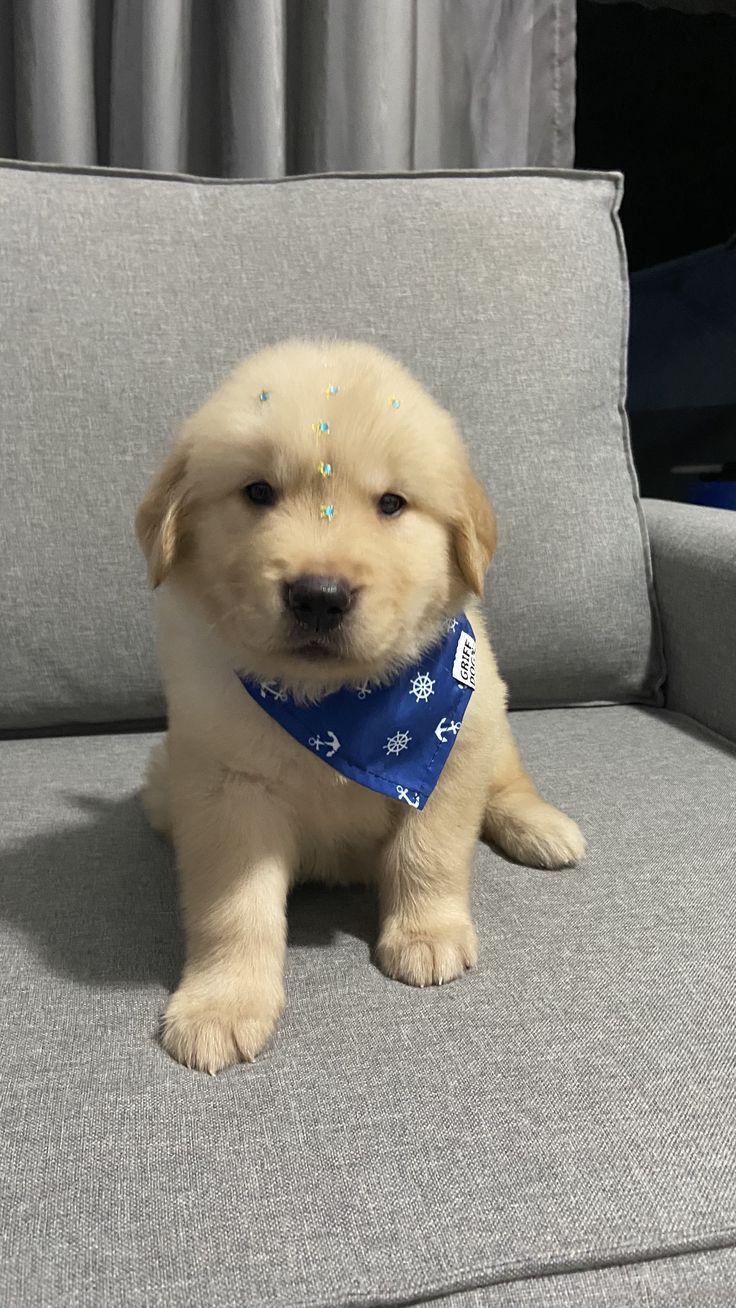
(557, 1128)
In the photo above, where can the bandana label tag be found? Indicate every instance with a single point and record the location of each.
(463, 668)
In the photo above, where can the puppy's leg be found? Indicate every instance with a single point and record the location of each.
(155, 794)
(522, 824)
(235, 852)
(426, 935)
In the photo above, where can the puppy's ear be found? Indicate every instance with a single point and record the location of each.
(473, 533)
(159, 522)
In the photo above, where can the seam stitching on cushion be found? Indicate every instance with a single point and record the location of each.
(716, 737)
(471, 174)
(717, 1241)
(659, 671)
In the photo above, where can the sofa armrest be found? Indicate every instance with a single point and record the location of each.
(694, 558)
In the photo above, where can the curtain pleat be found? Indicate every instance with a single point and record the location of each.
(149, 84)
(260, 88)
(356, 106)
(54, 80)
(253, 43)
(474, 92)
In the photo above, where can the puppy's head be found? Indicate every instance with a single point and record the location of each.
(321, 509)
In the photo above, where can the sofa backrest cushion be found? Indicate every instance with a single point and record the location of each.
(125, 299)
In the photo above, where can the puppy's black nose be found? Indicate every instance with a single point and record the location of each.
(319, 603)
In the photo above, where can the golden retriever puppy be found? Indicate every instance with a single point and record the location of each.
(316, 535)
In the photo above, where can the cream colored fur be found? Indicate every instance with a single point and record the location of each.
(249, 810)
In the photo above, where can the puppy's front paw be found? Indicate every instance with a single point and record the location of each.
(427, 958)
(210, 1033)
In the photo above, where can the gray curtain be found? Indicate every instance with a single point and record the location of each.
(248, 88)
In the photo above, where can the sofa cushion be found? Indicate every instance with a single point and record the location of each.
(124, 300)
(568, 1104)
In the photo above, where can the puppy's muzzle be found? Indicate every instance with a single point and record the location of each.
(319, 604)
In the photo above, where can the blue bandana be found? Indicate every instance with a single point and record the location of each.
(394, 739)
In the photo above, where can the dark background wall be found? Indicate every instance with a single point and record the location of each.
(656, 98)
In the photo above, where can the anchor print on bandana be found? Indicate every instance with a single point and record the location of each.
(330, 745)
(273, 688)
(403, 794)
(444, 730)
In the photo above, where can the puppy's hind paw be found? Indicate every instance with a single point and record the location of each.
(534, 833)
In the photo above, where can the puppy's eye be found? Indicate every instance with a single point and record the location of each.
(389, 504)
(260, 493)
